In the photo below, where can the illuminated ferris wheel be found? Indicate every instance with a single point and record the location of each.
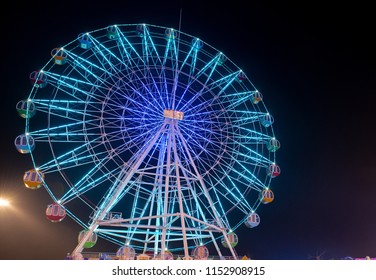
(149, 138)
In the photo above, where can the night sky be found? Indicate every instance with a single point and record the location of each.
(314, 62)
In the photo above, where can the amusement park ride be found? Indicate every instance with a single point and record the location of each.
(163, 144)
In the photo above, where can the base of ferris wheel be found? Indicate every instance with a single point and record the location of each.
(158, 249)
(147, 256)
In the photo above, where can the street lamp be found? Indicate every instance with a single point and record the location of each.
(4, 202)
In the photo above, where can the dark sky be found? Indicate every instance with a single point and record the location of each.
(316, 64)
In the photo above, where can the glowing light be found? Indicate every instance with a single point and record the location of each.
(4, 202)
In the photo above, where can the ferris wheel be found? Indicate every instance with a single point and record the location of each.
(151, 139)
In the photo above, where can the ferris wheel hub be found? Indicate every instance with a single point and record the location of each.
(173, 114)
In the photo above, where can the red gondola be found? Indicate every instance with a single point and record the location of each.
(55, 212)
